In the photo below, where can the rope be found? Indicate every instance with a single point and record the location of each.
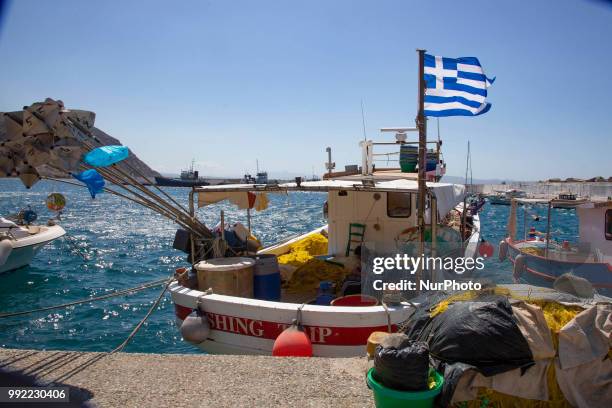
(71, 241)
(144, 319)
(88, 300)
(384, 305)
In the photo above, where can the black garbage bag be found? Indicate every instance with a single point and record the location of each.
(401, 363)
(479, 334)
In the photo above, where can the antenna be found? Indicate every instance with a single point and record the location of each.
(330, 165)
(363, 121)
(257, 165)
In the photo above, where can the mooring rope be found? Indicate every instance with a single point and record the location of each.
(122, 292)
(144, 319)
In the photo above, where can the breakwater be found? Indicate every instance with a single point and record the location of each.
(599, 190)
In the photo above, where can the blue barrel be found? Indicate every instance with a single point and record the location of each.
(432, 161)
(409, 157)
(266, 278)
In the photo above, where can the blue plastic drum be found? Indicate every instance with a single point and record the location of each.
(266, 278)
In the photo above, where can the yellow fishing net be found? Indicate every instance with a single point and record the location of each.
(304, 250)
(533, 251)
(307, 277)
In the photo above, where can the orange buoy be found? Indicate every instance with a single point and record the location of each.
(292, 342)
(486, 249)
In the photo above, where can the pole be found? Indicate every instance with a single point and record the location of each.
(548, 229)
(422, 126)
(434, 231)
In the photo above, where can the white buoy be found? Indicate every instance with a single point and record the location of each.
(195, 329)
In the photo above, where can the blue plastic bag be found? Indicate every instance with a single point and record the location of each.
(93, 180)
(106, 155)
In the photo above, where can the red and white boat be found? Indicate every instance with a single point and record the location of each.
(384, 202)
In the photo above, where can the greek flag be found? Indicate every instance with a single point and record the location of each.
(455, 87)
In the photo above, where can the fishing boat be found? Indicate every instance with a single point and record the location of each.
(505, 197)
(188, 178)
(540, 260)
(568, 200)
(375, 211)
(19, 243)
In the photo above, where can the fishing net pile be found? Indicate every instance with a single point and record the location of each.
(304, 271)
(44, 134)
(499, 349)
(304, 250)
(307, 277)
(47, 136)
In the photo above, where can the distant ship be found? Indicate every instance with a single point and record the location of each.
(188, 178)
(261, 177)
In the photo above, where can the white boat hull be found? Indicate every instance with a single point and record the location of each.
(23, 250)
(250, 326)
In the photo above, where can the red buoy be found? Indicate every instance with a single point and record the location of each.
(486, 250)
(292, 342)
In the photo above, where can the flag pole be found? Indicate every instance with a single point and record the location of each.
(421, 124)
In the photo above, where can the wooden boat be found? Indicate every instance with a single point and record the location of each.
(505, 197)
(384, 203)
(568, 200)
(540, 261)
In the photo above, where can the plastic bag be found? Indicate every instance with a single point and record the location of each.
(93, 180)
(106, 155)
(402, 364)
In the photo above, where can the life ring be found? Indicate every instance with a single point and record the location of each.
(503, 250)
(519, 267)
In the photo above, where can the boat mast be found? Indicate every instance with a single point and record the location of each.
(422, 126)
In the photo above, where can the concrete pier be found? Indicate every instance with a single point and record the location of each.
(191, 380)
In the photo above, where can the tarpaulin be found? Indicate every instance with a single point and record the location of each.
(480, 334)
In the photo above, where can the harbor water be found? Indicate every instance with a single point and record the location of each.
(112, 244)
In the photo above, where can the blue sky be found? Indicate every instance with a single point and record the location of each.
(229, 82)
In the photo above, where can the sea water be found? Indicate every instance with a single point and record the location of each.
(113, 244)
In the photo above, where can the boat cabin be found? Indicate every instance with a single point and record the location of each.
(378, 212)
(594, 230)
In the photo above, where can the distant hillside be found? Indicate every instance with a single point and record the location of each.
(106, 139)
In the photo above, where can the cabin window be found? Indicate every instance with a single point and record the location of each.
(609, 225)
(399, 205)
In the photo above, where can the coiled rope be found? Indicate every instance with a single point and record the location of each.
(123, 292)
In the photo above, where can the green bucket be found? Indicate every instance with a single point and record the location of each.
(389, 398)
(408, 167)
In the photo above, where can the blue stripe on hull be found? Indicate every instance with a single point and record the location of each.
(596, 273)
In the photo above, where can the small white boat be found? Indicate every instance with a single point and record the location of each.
(20, 243)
